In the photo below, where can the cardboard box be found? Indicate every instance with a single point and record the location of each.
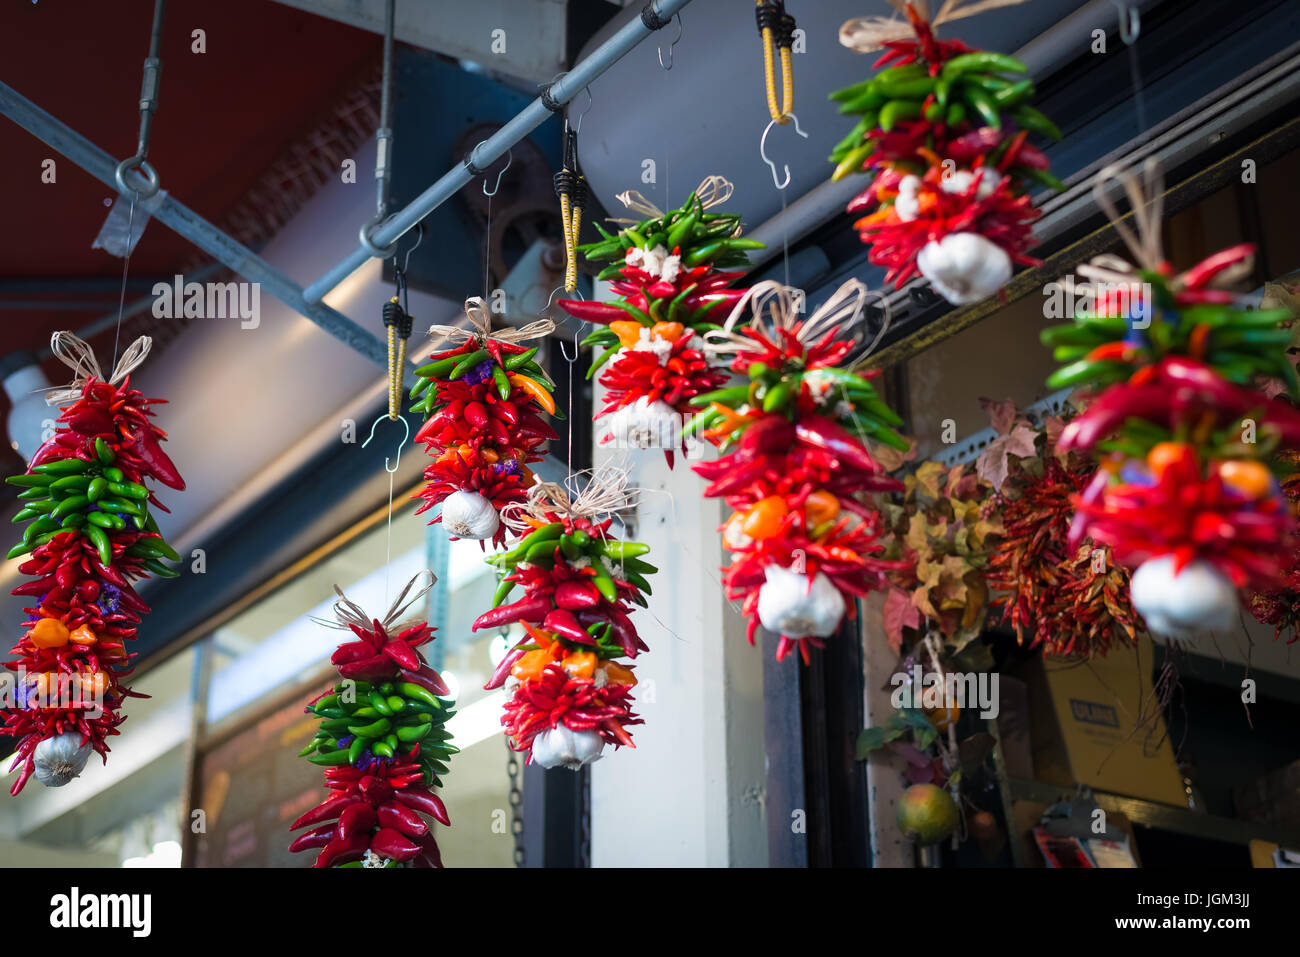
(1084, 723)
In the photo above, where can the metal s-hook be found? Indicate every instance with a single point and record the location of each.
(762, 151)
(406, 434)
(510, 158)
(1130, 22)
(577, 127)
(419, 238)
(680, 29)
(577, 349)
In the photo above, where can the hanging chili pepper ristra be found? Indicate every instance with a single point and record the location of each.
(383, 743)
(569, 696)
(943, 136)
(483, 398)
(1187, 490)
(671, 281)
(90, 535)
(804, 538)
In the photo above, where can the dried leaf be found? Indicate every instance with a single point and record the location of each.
(899, 613)
(1001, 414)
(929, 475)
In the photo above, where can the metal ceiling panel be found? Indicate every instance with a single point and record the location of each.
(519, 38)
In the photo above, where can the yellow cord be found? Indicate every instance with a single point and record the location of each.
(571, 272)
(780, 112)
(570, 233)
(394, 370)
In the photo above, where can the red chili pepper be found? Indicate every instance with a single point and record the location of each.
(532, 608)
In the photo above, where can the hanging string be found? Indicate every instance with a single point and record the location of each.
(776, 28)
(126, 267)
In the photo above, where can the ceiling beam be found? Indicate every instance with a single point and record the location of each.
(189, 224)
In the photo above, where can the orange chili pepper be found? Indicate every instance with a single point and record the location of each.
(628, 331)
(668, 331)
(48, 633)
(543, 638)
(929, 156)
(821, 507)
(531, 665)
(580, 664)
(1119, 351)
(765, 517)
(535, 389)
(83, 636)
(1165, 454)
(1198, 341)
(1252, 479)
(617, 674)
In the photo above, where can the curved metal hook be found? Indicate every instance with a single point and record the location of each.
(577, 349)
(577, 127)
(680, 28)
(1130, 22)
(406, 434)
(762, 151)
(550, 300)
(510, 158)
(419, 238)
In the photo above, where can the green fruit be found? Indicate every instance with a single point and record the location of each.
(927, 814)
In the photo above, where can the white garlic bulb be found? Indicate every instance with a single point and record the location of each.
(964, 267)
(1199, 600)
(788, 606)
(469, 515)
(644, 425)
(60, 759)
(564, 746)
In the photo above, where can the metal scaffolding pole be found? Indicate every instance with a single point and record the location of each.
(190, 225)
(654, 16)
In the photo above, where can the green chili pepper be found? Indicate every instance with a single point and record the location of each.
(71, 504)
(419, 693)
(104, 452)
(330, 758)
(604, 581)
(62, 467)
(514, 362)
(983, 62)
(501, 382)
(415, 733)
(374, 729)
(469, 362)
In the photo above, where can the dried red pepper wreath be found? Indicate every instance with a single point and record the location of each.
(1070, 599)
(90, 535)
(569, 697)
(668, 274)
(1186, 491)
(482, 398)
(383, 743)
(803, 539)
(943, 135)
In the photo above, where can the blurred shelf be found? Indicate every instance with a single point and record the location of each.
(1166, 817)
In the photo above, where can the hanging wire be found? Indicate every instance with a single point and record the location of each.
(776, 28)
(148, 106)
(384, 141)
(571, 187)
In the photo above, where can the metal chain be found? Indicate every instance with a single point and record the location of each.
(516, 804)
